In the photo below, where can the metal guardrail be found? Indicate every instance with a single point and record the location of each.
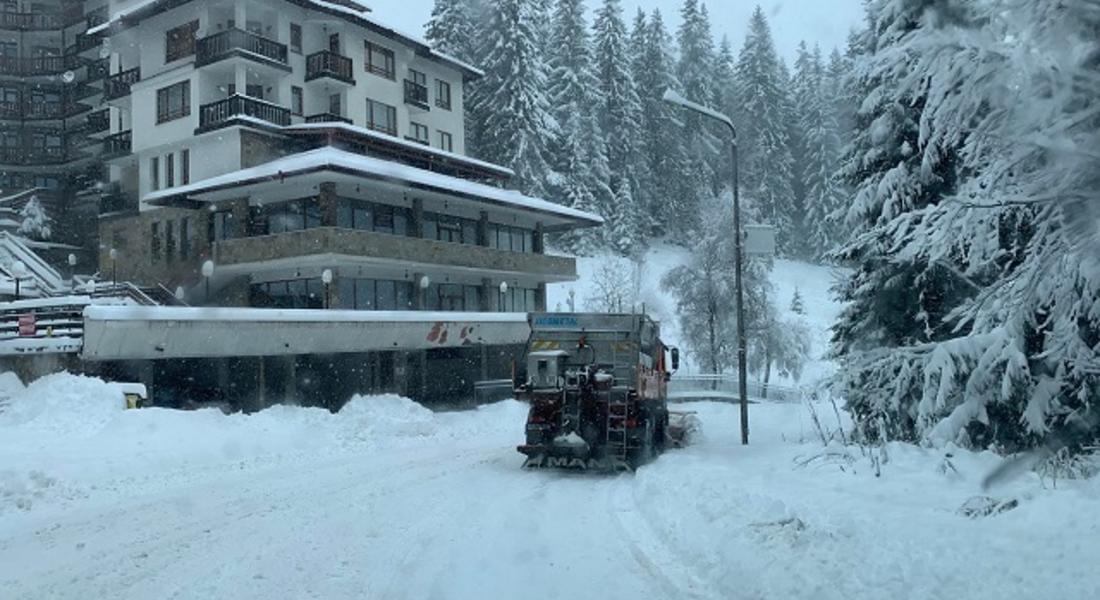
(493, 390)
(724, 388)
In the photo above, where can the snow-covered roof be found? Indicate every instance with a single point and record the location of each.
(361, 14)
(334, 159)
(389, 139)
(189, 313)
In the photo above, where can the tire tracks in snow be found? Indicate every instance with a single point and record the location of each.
(655, 558)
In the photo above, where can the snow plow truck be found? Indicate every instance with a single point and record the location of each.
(597, 386)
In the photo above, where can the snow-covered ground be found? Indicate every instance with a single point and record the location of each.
(388, 500)
(813, 282)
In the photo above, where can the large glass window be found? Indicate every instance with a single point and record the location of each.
(512, 239)
(445, 228)
(293, 215)
(452, 297)
(174, 101)
(381, 117)
(442, 94)
(296, 293)
(375, 294)
(223, 226)
(369, 216)
(380, 61)
(180, 41)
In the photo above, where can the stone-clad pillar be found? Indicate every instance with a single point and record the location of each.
(328, 202)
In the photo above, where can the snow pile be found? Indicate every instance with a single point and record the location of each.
(372, 419)
(9, 386)
(63, 405)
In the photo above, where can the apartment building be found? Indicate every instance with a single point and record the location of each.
(47, 111)
(302, 154)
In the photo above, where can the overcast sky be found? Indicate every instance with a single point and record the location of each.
(825, 22)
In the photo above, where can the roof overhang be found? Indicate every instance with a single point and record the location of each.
(283, 178)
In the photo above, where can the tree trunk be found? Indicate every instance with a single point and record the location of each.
(767, 373)
(711, 325)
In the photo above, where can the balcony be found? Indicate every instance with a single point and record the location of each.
(329, 64)
(416, 94)
(375, 247)
(118, 85)
(11, 110)
(118, 145)
(98, 122)
(223, 112)
(237, 42)
(327, 118)
(30, 21)
(38, 65)
(48, 155)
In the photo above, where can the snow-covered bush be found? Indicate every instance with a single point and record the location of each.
(34, 222)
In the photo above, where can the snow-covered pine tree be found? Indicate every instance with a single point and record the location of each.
(764, 139)
(1018, 356)
(798, 307)
(695, 72)
(451, 29)
(512, 107)
(646, 194)
(34, 223)
(823, 194)
(621, 112)
(803, 89)
(579, 155)
(674, 201)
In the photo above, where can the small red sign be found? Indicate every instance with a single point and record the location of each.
(27, 326)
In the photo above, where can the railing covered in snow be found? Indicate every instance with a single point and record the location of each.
(724, 388)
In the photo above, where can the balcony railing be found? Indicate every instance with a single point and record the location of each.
(118, 85)
(37, 65)
(47, 155)
(231, 42)
(327, 118)
(118, 144)
(329, 64)
(98, 121)
(30, 20)
(416, 94)
(213, 115)
(11, 110)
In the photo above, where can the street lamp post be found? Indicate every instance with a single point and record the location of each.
(326, 278)
(673, 98)
(72, 268)
(18, 272)
(207, 273)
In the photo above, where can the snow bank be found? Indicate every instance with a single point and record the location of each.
(66, 432)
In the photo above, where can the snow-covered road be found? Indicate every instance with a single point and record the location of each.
(389, 501)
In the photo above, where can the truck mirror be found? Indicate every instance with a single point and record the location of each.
(675, 359)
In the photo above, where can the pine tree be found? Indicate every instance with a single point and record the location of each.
(621, 113)
(695, 72)
(797, 306)
(766, 157)
(674, 202)
(34, 222)
(823, 194)
(579, 153)
(451, 29)
(511, 104)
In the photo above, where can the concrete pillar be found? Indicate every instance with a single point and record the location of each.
(540, 297)
(485, 298)
(416, 227)
(484, 362)
(538, 245)
(483, 229)
(291, 373)
(328, 202)
(261, 384)
(418, 292)
(240, 16)
(240, 75)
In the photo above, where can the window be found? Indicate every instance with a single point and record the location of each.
(445, 228)
(296, 101)
(185, 238)
(296, 38)
(169, 240)
(180, 42)
(418, 78)
(185, 167)
(418, 133)
(154, 241)
(293, 215)
(296, 293)
(174, 101)
(446, 142)
(334, 105)
(380, 61)
(154, 173)
(512, 239)
(223, 226)
(381, 117)
(443, 94)
(169, 171)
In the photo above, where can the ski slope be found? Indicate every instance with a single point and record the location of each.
(388, 500)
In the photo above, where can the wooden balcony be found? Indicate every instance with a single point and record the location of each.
(331, 65)
(327, 118)
(223, 112)
(98, 122)
(37, 65)
(118, 85)
(381, 247)
(30, 21)
(416, 95)
(238, 42)
(118, 145)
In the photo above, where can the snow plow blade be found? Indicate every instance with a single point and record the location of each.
(683, 428)
(579, 459)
